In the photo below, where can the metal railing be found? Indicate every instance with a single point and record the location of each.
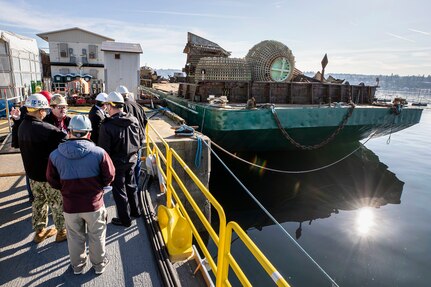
(222, 238)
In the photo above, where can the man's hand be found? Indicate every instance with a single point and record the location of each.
(15, 113)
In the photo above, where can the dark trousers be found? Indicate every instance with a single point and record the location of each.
(137, 178)
(30, 193)
(125, 192)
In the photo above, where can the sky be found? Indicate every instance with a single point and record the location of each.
(374, 37)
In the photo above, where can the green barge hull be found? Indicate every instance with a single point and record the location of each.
(239, 129)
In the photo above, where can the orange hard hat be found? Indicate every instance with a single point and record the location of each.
(47, 95)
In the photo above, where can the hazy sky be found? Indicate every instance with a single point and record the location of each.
(361, 37)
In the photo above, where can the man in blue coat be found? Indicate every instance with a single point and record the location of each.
(81, 170)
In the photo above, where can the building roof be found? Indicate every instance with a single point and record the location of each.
(195, 41)
(121, 47)
(45, 35)
(19, 42)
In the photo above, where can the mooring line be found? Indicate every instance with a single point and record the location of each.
(271, 217)
(292, 171)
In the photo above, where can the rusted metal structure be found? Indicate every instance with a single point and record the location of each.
(263, 103)
(197, 48)
(267, 73)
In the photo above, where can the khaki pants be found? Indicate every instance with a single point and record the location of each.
(81, 225)
(45, 196)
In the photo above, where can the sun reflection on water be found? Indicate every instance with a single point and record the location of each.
(365, 221)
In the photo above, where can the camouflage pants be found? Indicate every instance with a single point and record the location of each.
(45, 196)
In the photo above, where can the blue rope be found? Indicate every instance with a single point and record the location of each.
(198, 153)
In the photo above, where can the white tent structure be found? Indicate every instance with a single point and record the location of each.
(20, 67)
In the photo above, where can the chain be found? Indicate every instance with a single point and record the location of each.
(316, 146)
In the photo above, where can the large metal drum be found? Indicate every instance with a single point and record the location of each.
(271, 61)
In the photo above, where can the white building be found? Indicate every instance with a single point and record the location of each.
(122, 65)
(75, 51)
(20, 68)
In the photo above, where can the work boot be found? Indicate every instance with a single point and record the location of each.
(61, 236)
(42, 234)
(117, 221)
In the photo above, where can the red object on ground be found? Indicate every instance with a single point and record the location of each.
(80, 101)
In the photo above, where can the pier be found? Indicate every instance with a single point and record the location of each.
(132, 259)
(177, 217)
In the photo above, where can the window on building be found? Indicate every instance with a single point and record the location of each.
(25, 65)
(16, 65)
(5, 79)
(18, 81)
(92, 51)
(64, 71)
(4, 63)
(64, 50)
(117, 56)
(2, 48)
(93, 73)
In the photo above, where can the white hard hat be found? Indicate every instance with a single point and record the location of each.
(37, 101)
(80, 123)
(115, 97)
(101, 97)
(122, 90)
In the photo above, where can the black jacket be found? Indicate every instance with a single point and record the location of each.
(15, 127)
(121, 137)
(137, 111)
(96, 117)
(37, 139)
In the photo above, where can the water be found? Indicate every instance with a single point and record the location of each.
(365, 220)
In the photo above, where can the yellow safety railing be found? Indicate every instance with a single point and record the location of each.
(222, 238)
(230, 261)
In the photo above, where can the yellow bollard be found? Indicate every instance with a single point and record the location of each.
(176, 233)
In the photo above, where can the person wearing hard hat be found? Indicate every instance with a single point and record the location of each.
(17, 117)
(121, 136)
(37, 139)
(81, 170)
(97, 114)
(130, 106)
(19, 114)
(58, 116)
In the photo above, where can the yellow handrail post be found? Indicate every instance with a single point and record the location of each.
(168, 178)
(147, 139)
(223, 264)
(222, 239)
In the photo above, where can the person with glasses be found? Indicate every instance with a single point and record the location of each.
(58, 116)
(37, 139)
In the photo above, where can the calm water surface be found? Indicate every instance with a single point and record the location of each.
(365, 220)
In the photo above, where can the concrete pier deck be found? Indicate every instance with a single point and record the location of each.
(25, 263)
(132, 259)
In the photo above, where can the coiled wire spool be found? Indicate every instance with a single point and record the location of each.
(271, 61)
(222, 69)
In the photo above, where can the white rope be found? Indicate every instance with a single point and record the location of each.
(271, 217)
(291, 171)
